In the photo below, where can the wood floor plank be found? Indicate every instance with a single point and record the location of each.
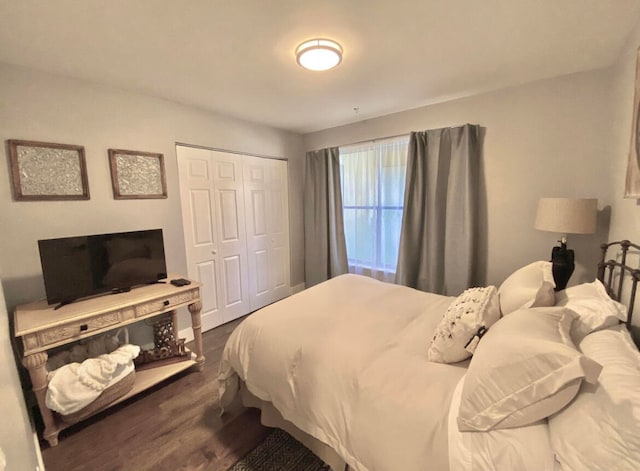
(175, 425)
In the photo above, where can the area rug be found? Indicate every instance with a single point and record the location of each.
(280, 452)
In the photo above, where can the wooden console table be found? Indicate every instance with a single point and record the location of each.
(42, 328)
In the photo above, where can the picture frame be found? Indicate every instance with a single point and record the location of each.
(45, 171)
(137, 174)
(632, 183)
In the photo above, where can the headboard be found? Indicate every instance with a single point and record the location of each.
(614, 271)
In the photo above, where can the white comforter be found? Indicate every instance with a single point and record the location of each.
(345, 361)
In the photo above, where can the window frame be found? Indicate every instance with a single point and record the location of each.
(378, 263)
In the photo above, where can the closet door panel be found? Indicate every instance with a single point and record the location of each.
(199, 214)
(262, 272)
(233, 280)
(228, 202)
(207, 275)
(255, 174)
(231, 230)
(279, 230)
(258, 248)
(258, 212)
(279, 269)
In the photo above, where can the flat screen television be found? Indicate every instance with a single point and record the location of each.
(77, 267)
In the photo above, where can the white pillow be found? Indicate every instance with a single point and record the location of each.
(456, 336)
(600, 429)
(530, 286)
(514, 449)
(525, 369)
(595, 309)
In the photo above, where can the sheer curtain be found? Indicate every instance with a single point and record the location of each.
(324, 246)
(438, 248)
(373, 180)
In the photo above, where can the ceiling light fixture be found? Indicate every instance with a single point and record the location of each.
(319, 54)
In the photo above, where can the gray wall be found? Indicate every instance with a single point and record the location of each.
(16, 438)
(36, 106)
(625, 214)
(47, 108)
(548, 138)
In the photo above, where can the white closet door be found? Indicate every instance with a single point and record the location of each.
(232, 240)
(267, 211)
(255, 197)
(215, 237)
(195, 169)
(278, 225)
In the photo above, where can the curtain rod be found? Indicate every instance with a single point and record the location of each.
(376, 139)
(373, 140)
(366, 140)
(383, 138)
(217, 149)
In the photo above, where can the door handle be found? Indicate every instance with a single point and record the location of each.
(214, 252)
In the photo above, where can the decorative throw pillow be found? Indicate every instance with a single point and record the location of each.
(465, 321)
(609, 410)
(525, 369)
(595, 309)
(530, 286)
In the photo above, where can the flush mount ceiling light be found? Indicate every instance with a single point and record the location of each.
(319, 54)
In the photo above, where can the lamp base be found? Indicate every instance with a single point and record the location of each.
(563, 265)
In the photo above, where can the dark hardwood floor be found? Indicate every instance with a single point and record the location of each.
(173, 426)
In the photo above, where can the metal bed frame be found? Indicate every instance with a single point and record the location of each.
(613, 272)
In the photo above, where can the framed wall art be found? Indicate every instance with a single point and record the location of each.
(137, 175)
(43, 171)
(632, 184)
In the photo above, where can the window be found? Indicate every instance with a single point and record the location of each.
(373, 178)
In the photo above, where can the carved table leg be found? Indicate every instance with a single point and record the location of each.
(36, 364)
(174, 322)
(196, 325)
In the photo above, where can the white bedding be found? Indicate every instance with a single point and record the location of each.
(361, 383)
(346, 362)
(522, 449)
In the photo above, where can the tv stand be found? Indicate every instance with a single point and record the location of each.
(41, 327)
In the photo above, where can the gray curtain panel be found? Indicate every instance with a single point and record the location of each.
(325, 249)
(438, 240)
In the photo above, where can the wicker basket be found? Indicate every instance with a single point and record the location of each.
(105, 398)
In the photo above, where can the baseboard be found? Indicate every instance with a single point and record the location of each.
(297, 288)
(186, 334)
(36, 442)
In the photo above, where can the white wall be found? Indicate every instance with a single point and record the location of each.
(548, 138)
(625, 214)
(16, 438)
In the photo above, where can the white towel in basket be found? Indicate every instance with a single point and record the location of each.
(76, 385)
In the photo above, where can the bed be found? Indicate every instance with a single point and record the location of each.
(375, 376)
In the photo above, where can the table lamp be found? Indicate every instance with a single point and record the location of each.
(565, 216)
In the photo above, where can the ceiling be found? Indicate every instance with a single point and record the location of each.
(236, 57)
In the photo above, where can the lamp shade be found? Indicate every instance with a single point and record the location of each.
(567, 215)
